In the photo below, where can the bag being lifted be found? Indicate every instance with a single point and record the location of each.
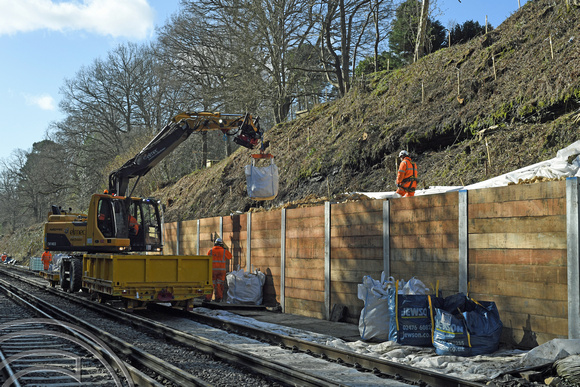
(262, 181)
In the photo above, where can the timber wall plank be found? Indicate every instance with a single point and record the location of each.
(517, 258)
(235, 238)
(265, 252)
(424, 240)
(304, 284)
(170, 239)
(356, 240)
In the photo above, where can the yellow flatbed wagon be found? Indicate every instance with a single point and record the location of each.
(140, 279)
(53, 277)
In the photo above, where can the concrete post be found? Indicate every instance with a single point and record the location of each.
(197, 244)
(249, 243)
(387, 238)
(327, 260)
(178, 232)
(573, 254)
(463, 243)
(283, 260)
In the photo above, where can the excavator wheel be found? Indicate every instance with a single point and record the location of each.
(76, 274)
(64, 279)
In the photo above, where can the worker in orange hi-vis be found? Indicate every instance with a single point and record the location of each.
(133, 225)
(220, 255)
(4, 257)
(406, 176)
(46, 259)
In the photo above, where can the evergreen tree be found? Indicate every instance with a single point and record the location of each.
(467, 31)
(386, 61)
(404, 32)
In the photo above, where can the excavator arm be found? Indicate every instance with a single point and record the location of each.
(243, 127)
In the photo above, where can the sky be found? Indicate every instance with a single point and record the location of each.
(44, 42)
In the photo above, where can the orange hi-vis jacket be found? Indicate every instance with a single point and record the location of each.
(407, 175)
(219, 255)
(46, 258)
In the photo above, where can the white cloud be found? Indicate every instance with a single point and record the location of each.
(43, 101)
(125, 18)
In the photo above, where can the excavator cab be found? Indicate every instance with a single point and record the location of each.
(144, 225)
(113, 224)
(135, 219)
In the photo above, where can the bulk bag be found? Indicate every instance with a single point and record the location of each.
(374, 316)
(465, 327)
(245, 288)
(410, 319)
(262, 182)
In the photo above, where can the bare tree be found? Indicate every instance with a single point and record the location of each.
(240, 54)
(422, 32)
(10, 208)
(111, 105)
(344, 35)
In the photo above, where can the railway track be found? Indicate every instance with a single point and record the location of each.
(363, 363)
(283, 359)
(159, 363)
(38, 349)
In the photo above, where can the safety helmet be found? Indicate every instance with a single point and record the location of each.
(403, 153)
(218, 242)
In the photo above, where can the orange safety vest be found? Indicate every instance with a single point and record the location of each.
(407, 175)
(46, 259)
(219, 255)
(4, 257)
(133, 224)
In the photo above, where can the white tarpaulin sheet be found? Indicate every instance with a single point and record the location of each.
(557, 167)
(480, 368)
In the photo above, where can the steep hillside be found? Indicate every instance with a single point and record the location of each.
(497, 103)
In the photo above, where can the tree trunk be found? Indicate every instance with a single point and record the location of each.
(345, 48)
(203, 150)
(377, 35)
(421, 33)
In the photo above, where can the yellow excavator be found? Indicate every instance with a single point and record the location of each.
(117, 223)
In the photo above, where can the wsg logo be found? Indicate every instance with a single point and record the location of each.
(72, 366)
(414, 312)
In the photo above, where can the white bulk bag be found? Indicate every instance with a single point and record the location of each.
(374, 317)
(245, 288)
(262, 181)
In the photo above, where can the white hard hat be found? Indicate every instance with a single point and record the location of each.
(218, 241)
(403, 153)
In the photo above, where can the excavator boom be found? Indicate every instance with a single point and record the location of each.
(243, 127)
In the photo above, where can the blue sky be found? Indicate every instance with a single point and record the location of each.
(43, 42)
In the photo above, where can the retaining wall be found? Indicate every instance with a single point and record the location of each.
(516, 245)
